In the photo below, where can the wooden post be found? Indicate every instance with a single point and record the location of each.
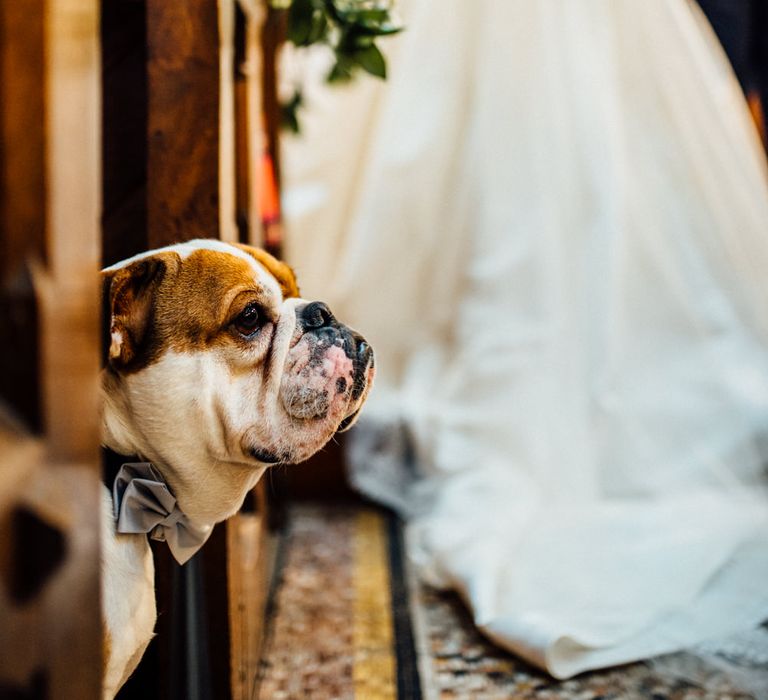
(69, 283)
(250, 122)
(184, 200)
(228, 230)
(50, 502)
(252, 550)
(22, 200)
(183, 120)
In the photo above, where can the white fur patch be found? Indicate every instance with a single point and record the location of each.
(128, 597)
(185, 249)
(116, 345)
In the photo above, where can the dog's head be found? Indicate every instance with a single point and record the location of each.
(215, 359)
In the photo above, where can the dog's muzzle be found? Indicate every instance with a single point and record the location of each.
(317, 318)
(328, 369)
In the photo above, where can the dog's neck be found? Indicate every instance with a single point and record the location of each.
(207, 491)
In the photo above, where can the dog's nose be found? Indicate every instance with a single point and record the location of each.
(316, 315)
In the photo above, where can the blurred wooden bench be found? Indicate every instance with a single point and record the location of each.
(50, 619)
(126, 125)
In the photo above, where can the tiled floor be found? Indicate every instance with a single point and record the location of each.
(331, 633)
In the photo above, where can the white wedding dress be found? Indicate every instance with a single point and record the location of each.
(552, 223)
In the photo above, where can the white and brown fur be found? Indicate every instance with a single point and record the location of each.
(209, 405)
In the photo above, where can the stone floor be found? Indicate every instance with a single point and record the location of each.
(332, 635)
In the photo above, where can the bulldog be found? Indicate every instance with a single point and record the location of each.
(216, 370)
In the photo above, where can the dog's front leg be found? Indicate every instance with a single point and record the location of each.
(128, 600)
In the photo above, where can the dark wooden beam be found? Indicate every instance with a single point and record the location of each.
(22, 201)
(182, 202)
(22, 133)
(124, 128)
(183, 120)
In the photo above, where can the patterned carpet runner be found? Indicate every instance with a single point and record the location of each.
(345, 622)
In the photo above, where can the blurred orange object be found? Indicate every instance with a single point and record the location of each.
(269, 204)
(756, 109)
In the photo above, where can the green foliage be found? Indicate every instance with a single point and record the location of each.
(289, 117)
(349, 27)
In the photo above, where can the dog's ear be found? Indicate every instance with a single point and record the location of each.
(130, 300)
(282, 272)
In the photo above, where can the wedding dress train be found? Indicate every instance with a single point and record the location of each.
(552, 223)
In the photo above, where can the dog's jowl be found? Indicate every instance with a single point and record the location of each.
(216, 369)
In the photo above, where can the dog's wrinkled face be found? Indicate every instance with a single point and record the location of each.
(218, 357)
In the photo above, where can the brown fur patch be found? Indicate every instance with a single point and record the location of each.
(132, 292)
(281, 271)
(164, 301)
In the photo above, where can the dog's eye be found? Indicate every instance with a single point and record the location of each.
(249, 320)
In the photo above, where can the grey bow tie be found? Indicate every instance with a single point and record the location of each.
(144, 503)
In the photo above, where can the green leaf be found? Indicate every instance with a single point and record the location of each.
(330, 9)
(372, 16)
(372, 21)
(349, 27)
(289, 118)
(379, 30)
(319, 28)
(371, 61)
(342, 70)
(354, 41)
(300, 22)
(365, 17)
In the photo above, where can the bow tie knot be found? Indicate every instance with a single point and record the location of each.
(144, 504)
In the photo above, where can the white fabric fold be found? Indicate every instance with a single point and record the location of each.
(552, 224)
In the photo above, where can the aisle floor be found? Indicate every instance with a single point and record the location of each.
(346, 622)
